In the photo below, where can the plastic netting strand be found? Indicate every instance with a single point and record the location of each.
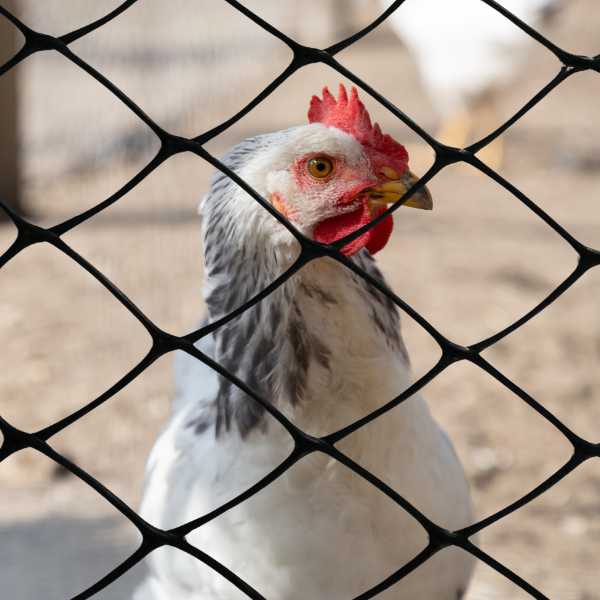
(164, 342)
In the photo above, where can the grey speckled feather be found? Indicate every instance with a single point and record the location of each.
(325, 349)
(272, 333)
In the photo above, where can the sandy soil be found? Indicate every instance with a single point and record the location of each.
(473, 266)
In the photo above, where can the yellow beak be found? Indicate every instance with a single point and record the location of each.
(392, 191)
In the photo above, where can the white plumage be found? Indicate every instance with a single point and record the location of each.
(319, 531)
(463, 48)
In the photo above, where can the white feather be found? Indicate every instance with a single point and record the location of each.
(462, 47)
(319, 531)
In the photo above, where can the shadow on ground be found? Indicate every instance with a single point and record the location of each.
(58, 557)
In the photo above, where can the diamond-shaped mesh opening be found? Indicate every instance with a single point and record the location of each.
(457, 264)
(317, 504)
(560, 173)
(58, 535)
(330, 389)
(160, 271)
(70, 131)
(570, 107)
(77, 343)
(134, 417)
(397, 434)
(555, 357)
(198, 50)
(163, 342)
(497, 436)
(564, 570)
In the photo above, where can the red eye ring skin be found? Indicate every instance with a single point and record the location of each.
(302, 176)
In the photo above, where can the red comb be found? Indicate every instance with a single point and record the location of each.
(351, 116)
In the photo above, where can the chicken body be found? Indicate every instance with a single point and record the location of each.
(464, 48)
(326, 349)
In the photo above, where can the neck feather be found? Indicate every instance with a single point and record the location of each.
(295, 339)
(293, 347)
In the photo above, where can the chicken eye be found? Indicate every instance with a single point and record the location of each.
(320, 167)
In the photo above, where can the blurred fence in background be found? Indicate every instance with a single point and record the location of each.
(203, 61)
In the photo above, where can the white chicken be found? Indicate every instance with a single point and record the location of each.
(325, 349)
(464, 51)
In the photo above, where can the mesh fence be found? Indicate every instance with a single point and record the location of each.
(164, 342)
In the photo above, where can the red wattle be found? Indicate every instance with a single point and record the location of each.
(335, 228)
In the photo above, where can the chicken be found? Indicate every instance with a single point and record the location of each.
(465, 51)
(325, 348)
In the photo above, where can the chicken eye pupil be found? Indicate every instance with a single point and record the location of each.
(320, 167)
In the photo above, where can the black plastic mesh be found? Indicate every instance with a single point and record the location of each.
(164, 342)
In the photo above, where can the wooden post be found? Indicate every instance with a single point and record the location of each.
(10, 192)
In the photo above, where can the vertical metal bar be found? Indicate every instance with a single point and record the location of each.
(10, 190)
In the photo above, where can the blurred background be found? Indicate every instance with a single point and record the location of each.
(478, 262)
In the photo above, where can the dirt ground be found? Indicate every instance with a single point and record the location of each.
(478, 262)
